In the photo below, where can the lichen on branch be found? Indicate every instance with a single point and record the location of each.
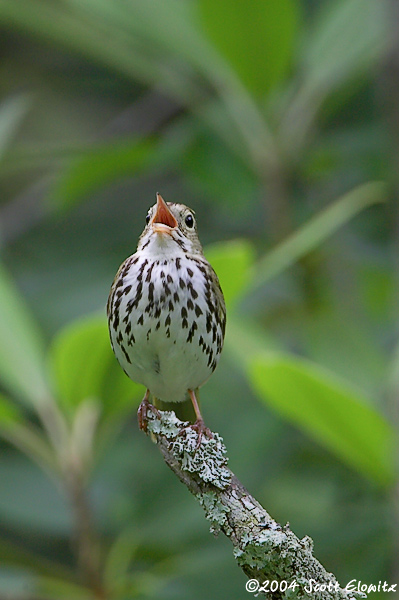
(263, 549)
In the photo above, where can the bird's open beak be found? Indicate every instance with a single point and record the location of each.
(163, 221)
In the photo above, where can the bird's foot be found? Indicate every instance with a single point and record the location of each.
(201, 429)
(142, 412)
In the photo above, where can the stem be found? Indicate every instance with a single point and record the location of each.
(276, 202)
(86, 540)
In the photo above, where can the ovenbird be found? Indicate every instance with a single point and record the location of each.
(166, 311)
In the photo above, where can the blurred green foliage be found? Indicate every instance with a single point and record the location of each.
(276, 122)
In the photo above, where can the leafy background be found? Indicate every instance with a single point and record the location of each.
(278, 123)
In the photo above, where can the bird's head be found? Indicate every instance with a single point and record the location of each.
(170, 229)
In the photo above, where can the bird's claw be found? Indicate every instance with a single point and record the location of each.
(142, 413)
(201, 429)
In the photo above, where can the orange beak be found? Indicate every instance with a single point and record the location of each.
(163, 220)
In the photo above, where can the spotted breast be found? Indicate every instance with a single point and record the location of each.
(166, 310)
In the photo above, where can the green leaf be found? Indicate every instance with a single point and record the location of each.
(214, 170)
(84, 367)
(10, 414)
(16, 430)
(168, 58)
(135, 33)
(100, 166)
(317, 230)
(120, 559)
(232, 262)
(329, 410)
(22, 369)
(348, 37)
(12, 111)
(14, 555)
(51, 588)
(256, 37)
(360, 359)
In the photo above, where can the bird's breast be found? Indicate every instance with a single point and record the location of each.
(165, 323)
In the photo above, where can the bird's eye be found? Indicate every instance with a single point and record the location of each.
(147, 219)
(189, 221)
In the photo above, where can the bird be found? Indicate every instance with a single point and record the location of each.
(166, 312)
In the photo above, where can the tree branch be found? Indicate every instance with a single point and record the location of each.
(265, 551)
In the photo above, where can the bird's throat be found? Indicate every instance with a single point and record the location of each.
(163, 245)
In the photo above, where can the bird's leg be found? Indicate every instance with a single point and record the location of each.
(142, 413)
(199, 425)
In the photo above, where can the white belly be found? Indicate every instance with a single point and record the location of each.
(165, 331)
